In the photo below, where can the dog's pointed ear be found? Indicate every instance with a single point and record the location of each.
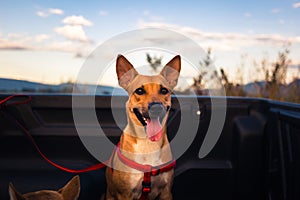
(14, 194)
(171, 71)
(125, 71)
(72, 189)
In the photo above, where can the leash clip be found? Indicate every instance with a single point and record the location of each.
(146, 187)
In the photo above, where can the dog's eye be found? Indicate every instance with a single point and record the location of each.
(140, 91)
(163, 90)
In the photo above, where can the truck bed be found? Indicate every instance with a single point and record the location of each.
(256, 157)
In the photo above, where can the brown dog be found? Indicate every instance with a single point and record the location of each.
(69, 192)
(144, 140)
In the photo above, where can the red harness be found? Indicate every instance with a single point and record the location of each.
(147, 169)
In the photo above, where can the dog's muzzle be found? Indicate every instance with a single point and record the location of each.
(156, 110)
(153, 120)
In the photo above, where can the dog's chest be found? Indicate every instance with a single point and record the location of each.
(150, 156)
(146, 154)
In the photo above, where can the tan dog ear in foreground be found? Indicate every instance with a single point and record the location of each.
(69, 192)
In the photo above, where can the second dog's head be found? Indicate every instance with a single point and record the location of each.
(69, 192)
(149, 96)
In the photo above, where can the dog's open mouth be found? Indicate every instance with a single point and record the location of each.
(153, 124)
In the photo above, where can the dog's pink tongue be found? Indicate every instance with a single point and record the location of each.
(154, 129)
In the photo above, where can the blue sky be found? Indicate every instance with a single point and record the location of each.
(39, 40)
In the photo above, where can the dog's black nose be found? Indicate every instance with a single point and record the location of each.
(155, 109)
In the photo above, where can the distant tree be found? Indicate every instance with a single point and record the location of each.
(275, 76)
(198, 81)
(206, 65)
(271, 79)
(154, 61)
(231, 89)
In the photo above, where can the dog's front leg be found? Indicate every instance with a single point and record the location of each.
(119, 197)
(125, 195)
(166, 194)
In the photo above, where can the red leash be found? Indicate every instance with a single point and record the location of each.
(4, 102)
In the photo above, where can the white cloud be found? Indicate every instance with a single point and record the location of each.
(42, 14)
(73, 28)
(48, 12)
(11, 45)
(72, 32)
(296, 5)
(13, 41)
(41, 37)
(103, 13)
(56, 11)
(77, 20)
(223, 41)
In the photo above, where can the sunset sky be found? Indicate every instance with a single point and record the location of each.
(48, 41)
